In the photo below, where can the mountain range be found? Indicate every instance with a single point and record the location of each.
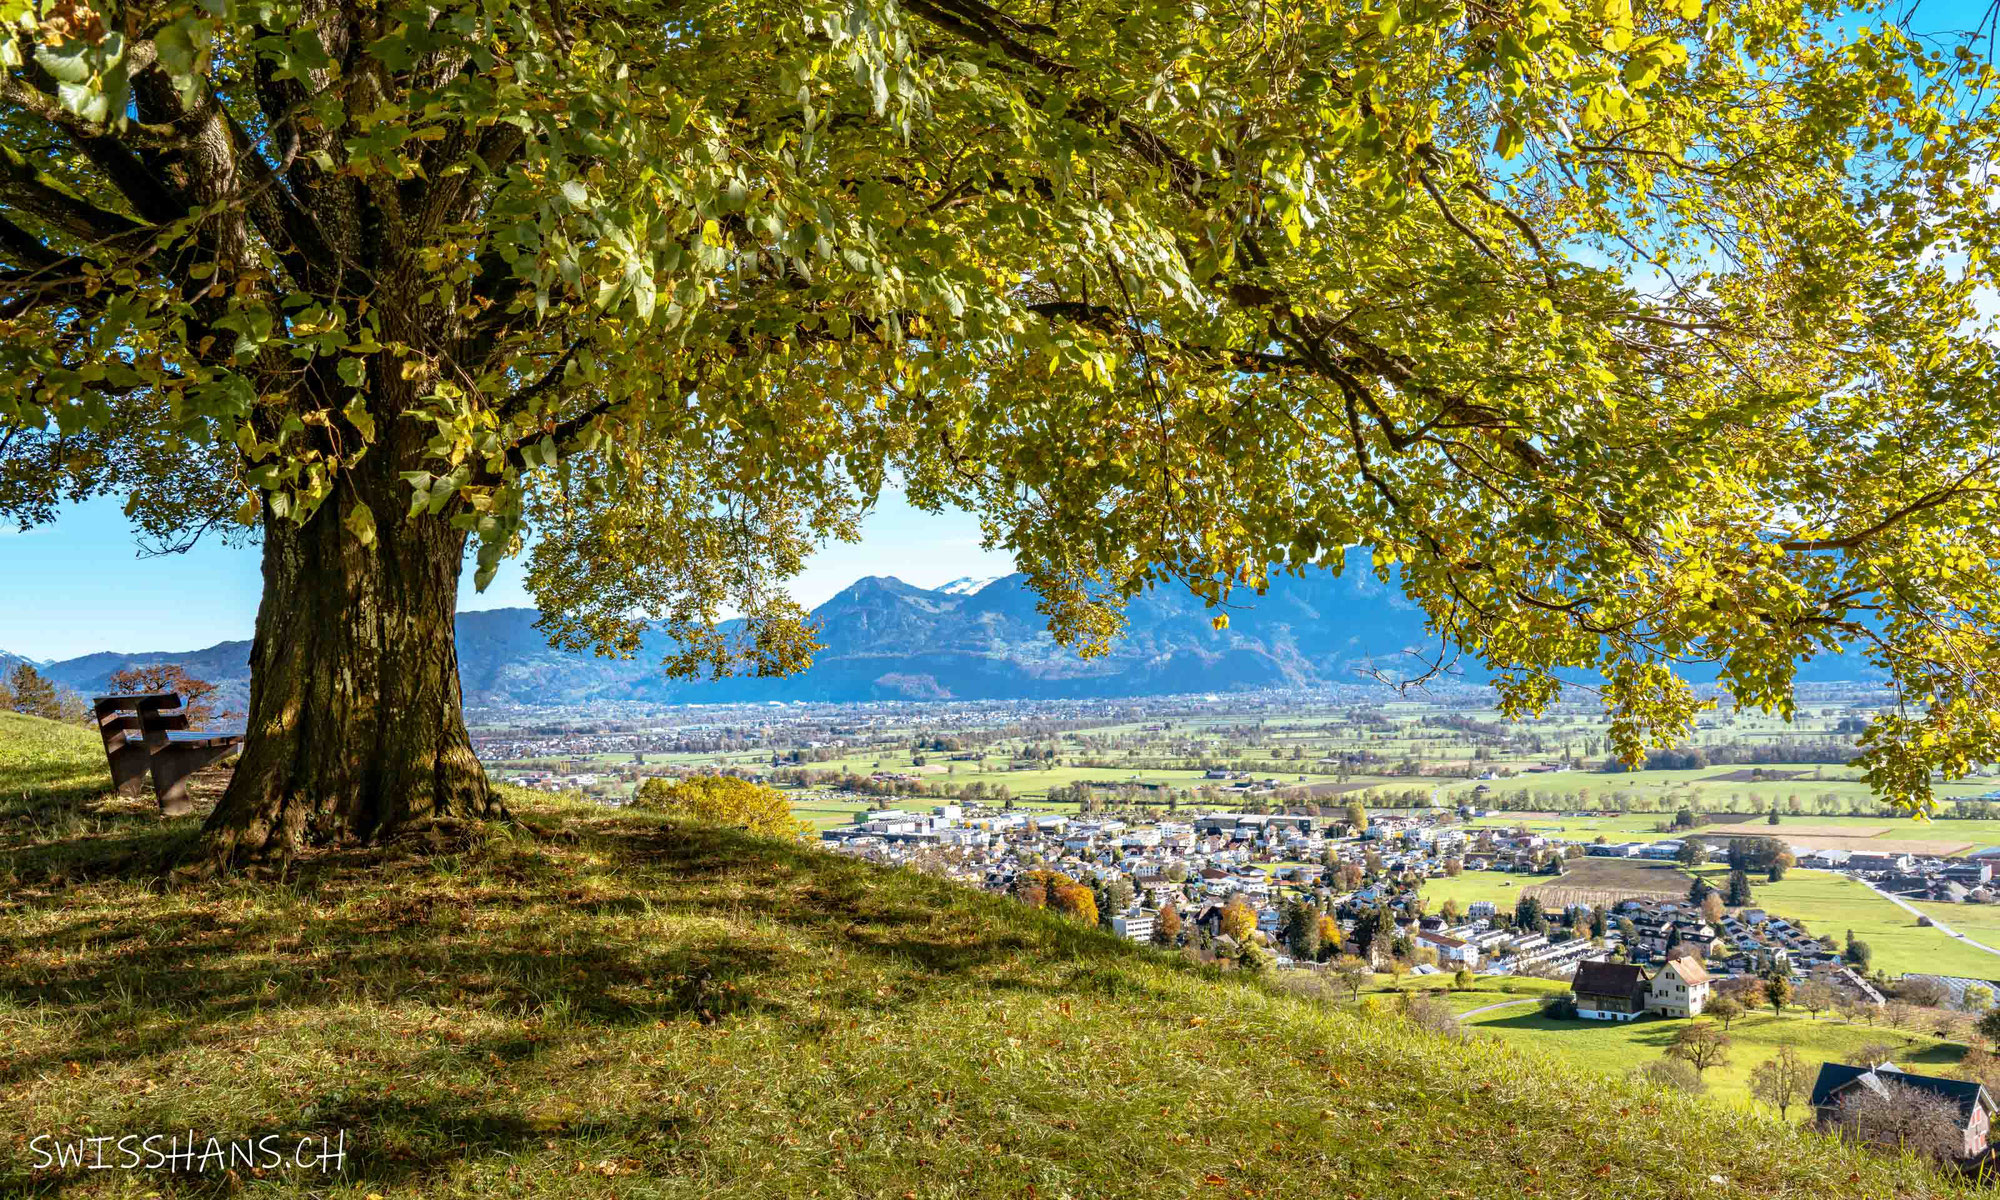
(968, 640)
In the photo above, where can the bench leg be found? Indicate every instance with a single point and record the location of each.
(170, 772)
(171, 769)
(128, 768)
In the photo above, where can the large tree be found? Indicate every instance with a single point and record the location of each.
(1624, 336)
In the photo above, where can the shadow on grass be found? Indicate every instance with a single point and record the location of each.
(82, 831)
(513, 927)
(408, 1142)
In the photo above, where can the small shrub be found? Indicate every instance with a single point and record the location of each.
(1432, 1015)
(1309, 985)
(722, 800)
(1669, 1075)
(1560, 1007)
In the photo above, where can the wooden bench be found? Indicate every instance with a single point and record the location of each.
(137, 743)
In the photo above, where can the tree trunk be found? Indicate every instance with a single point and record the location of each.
(355, 729)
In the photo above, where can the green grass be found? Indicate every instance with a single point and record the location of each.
(1501, 887)
(44, 759)
(1485, 990)
(1504, 888)
(825, 813)
(1614, 1048)
(1980, 922)
(1639, 827)
(595, 1003)
(1036, 781)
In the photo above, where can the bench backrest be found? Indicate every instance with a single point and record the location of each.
(147, 713)
(132, 726)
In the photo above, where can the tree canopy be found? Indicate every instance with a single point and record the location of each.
(1626, 336)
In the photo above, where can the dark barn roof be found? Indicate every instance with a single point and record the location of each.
(1608, 979)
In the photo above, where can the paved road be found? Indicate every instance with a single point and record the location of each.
(1940, 926)
(1503, 1004)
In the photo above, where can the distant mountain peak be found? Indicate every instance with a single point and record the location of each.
(876, 585)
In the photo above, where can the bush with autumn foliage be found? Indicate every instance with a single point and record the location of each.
(722, 800)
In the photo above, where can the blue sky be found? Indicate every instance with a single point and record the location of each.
(78, 585)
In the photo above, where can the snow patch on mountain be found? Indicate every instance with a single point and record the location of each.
(966, 585)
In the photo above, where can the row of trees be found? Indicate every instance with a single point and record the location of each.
(1795, 804)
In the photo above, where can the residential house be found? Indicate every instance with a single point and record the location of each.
(1452, 952)
(1680, 989)
(1607, 991)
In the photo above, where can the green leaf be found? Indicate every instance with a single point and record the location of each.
(71, 60)
(1641, 71)
(357, 415)
(181, 45)
(361, 523)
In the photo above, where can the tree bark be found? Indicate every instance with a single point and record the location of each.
(355, 727)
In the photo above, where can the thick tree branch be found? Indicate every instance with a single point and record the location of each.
(519, 401)
(30, 189)
(1924, 503)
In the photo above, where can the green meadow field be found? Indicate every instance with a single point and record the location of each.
(1615, 1048)
(1508, 1009)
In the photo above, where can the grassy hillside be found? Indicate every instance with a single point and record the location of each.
(599, 1004)
(44, 762)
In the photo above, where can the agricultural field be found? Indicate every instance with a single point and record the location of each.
(1594, 880)
(1821, 789)
(1500, 887)
(1980, 922)
(1539, 773)
(823, 812)
(1613, 1048)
